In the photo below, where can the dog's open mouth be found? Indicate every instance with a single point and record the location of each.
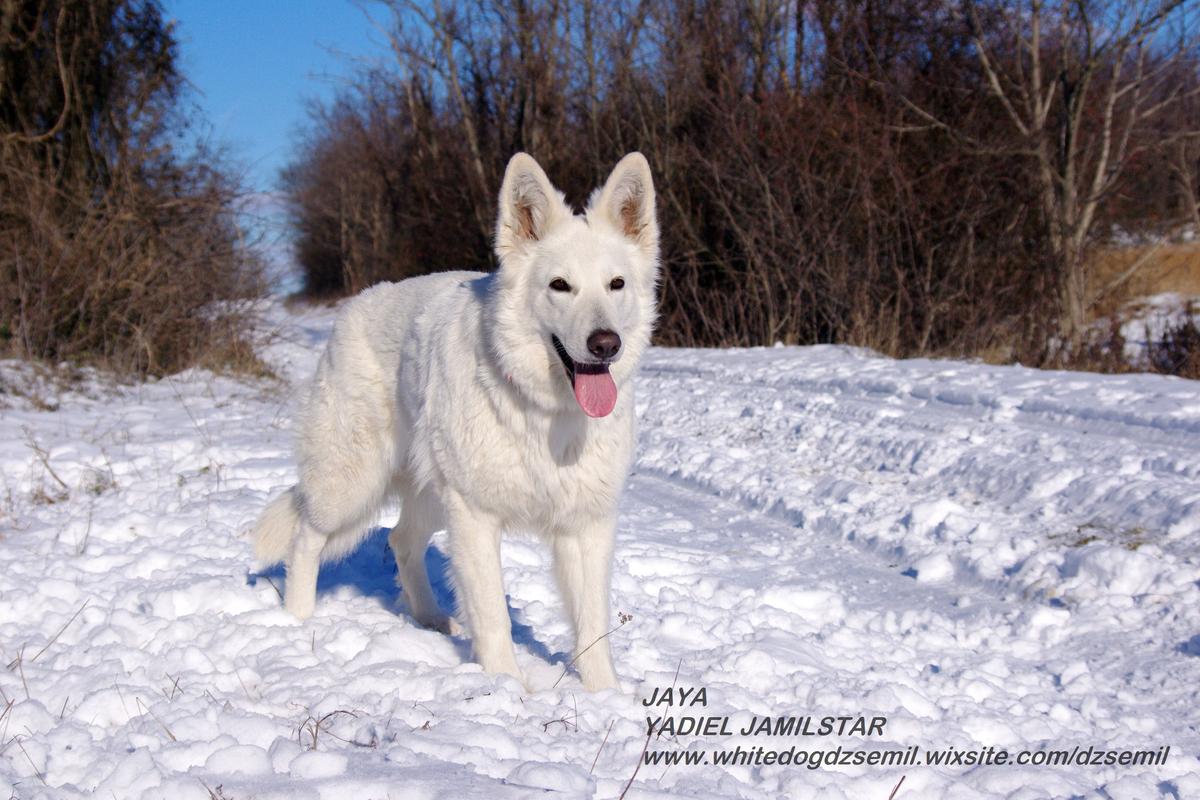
(594, 388)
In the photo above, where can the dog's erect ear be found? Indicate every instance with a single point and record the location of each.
(627, 202)
(529, 205)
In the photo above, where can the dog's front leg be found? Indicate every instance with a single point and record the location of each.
(475, 557)
(583, 565)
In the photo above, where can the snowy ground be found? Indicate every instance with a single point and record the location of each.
(1145, 320)
(985, 556)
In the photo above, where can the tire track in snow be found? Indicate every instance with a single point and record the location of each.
(838, 630)
(904, 472)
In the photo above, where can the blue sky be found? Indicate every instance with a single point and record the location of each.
(255, 63)
(253, 66)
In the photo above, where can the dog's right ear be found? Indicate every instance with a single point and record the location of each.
(529, 205)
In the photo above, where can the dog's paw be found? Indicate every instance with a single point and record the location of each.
(441, 623)
(301, 607)
(503, 662)
(594, 683)
(597, 673)
(516, 674)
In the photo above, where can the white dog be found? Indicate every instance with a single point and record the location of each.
(486, 403)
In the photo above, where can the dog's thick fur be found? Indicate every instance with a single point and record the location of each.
(448, 392)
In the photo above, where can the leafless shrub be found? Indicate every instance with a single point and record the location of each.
(1177, 351)
(1101, 350)
(1174, 351)
(114, 248)
(315, 726)
(827, 172)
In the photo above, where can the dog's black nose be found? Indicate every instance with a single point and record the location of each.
(603, 344)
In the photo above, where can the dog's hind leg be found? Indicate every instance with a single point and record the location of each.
(345, 464)
(334, 517)
(335, 513)
(420, 517)
(340, 532)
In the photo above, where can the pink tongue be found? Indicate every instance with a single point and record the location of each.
(596, 394)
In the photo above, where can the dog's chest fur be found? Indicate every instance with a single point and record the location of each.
(462, 427)
(533, 471)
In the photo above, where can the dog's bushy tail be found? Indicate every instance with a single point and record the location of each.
(276, 527)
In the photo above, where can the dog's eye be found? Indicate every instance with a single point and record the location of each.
(617, 284)
(559, 285)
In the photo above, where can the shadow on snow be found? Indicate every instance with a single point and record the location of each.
(371, 572)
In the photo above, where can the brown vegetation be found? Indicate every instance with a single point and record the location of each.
(114, 248)
(1122, 280)
(1156, 269)
(916, 176)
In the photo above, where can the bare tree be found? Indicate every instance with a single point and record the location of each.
(1075, 80)
(1185, 167)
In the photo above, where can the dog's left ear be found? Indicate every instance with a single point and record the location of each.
(626, 201)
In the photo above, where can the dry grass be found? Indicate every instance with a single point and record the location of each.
(1134, 273)
(1167, 268)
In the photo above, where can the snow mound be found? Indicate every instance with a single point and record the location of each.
(983, 556)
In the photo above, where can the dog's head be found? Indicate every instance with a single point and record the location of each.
(575, 303)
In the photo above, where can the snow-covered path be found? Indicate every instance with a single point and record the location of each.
(984, 556)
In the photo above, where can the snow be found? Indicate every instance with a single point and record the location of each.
(1146, 320)
(985, 556)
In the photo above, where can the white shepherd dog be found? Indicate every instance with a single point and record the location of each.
(486, 403)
